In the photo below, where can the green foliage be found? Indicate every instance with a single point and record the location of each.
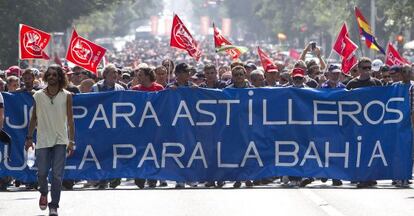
(48, 15)
(311, 18)
(117, 20)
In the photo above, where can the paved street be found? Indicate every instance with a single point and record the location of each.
(316, 199)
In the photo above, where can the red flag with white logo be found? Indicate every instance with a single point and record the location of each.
(84, 53)
(343, 44)
(182, 39)
(348, 64)
(219, 41)
(264, 58)
(32, 43)
(393, 57)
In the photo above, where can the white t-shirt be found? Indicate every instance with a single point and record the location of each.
(51, 119)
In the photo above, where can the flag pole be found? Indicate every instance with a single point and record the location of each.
(337, 35)
(168, 71)
(169, 62)
(18, 57)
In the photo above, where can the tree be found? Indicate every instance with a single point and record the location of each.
(117, 20)
(47, 15)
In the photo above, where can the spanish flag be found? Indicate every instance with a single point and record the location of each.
(365, 31)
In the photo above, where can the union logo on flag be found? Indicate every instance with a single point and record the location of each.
(182, 39)
(84, 53)
(32, 42)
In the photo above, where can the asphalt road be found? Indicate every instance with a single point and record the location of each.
(275, 199)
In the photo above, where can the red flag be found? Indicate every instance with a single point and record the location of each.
(264, 58)
(219, 41)
(344, 45)
(393, 57)
(294, 54)
(182, 39)
(32, 42)
(84, 53)
(349, 63)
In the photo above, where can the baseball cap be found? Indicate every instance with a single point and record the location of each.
(251, 65)
(271, 69)
(376, 65)
(126, 74)
(396, 69)
(13, 70)
(298, 72)
(334, 69)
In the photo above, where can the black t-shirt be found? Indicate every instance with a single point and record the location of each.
(311, 83)
(73, 89)
(357, 83)
(217, 85)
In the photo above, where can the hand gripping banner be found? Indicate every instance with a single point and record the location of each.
(235, 134)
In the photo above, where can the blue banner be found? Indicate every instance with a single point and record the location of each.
(234, 134)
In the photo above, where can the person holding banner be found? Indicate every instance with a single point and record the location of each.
(364, 80)
(212, 80)
(161, 75)
(385, 74)
(239, 80)
(395, 73)
(28, 80)
(53, 118)
(108, 83)
(182, 74)
(146, 76)
(333, 78)
(272, 75)
(170, 66)
(12, 83)
(4, 181)
(406, 71)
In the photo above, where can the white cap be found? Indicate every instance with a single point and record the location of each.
(142, 65)
(376, 65)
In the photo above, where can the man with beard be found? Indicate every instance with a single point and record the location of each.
(53, 117)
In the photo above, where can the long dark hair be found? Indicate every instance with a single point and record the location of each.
(62, 81)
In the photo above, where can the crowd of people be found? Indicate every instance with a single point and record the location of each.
(154, 66)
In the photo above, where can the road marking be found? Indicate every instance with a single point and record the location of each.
(323, 204)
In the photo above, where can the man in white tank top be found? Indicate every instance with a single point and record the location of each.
(53, 117)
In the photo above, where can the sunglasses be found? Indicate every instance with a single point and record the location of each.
(366, 68)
